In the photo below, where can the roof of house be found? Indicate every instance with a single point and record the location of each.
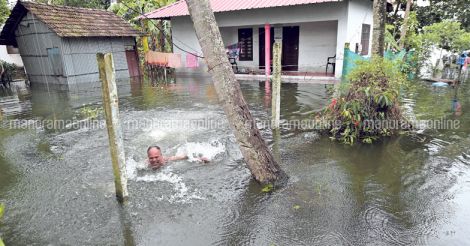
(68, 22)
(181, 9)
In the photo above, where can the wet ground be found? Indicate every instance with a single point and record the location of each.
(57, 183)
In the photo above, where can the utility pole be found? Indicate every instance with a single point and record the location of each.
(256, 153)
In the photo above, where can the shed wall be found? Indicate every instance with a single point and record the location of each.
(33, 38)
(77, 55)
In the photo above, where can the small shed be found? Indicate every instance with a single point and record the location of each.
(58, 44)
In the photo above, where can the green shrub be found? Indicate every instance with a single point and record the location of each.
(371, 97)
(10, 69)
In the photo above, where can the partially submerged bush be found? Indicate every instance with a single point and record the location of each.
(8, 72)
(368, 107)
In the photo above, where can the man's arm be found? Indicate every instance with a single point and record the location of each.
(177, 158)
(184, 157)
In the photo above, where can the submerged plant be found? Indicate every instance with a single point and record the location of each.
(369, 106)
(88, 112)
(267, 188)
(2, 209)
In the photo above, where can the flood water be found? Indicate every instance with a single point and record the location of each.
(57, 184)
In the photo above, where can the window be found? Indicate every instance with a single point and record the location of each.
(55, 61)
(365, 39)
(245, 40)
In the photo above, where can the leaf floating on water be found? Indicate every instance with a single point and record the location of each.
(267, 188)
(2, 210)
(296, 207)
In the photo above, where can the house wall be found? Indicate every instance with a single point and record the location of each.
(319, 37)
(359, 13)
(10, 58)
(230, 36)
(317, 42)
(77, 56)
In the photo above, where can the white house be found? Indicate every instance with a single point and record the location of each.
(311, 30)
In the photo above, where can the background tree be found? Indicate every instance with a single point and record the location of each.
(404, 27)
(157, 30)
(446, 35)
(378, 34)
(4, 11)
(439, 10)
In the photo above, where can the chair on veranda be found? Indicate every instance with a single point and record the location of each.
(233, 52)
(331, 61)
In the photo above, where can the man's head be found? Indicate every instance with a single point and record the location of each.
(155, 157)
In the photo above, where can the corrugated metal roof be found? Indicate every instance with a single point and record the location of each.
(181, 9)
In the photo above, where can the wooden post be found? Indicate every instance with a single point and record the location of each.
(267, 49)
(277, 143)
(111, 109)
(276, 92)
(345, 61)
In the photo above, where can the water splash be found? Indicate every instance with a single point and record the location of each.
(181, 192)
(195, 150)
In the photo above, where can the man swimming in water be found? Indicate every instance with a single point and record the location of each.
(157, 160)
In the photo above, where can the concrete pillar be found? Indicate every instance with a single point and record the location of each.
(267, 49)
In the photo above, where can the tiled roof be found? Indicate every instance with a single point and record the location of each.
(181, 9)
(69, 21)
(80, 22)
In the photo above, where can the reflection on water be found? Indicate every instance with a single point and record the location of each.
(58, 184)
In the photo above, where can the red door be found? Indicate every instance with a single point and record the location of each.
(132, 63)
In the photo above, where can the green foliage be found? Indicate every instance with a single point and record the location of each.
(267, 188)
(440, 10)
(4, 11)
(372, 97)
(130, 10)
(446, 35)
(2, 210)
(463, 42)
(411, 41)
(88, 112)
(390, 41)
(10, 69)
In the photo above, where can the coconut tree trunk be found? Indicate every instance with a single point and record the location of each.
(405, 24)
(258, 157)
(378, 35)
